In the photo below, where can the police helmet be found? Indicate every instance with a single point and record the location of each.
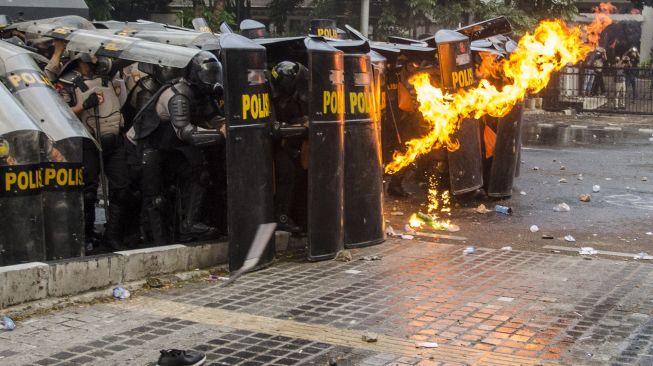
(4, 148)
(286, 75)
(206, 72)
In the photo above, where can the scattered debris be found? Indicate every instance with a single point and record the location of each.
(649, 233)
(585, 197)
(506, 248)
(563, 167)
(212, 278)
(580, 177)
(561, 207)
(534, 229)
(481, 209)
(426, 345)
(370, 337)
(469, 250)
(155, 282)
(370, 258)
(547, 236)
(596, 188)
(506, 299)
(353, 271)
(453, 228)
(7, 324)
(397, 213)
(643, 256)
(562, 180)
(536, 168)
(608, 178)
(343, 256)
(503, 209)
(409, 230)
(407, 237)
(121, 293)
(555, 251)
(570, 238)
(644, 179)
(389, 231)
(522, 193)
(587, 251)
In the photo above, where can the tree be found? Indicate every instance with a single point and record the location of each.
(214, 11)
(99, 9)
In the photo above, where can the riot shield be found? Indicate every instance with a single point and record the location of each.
(249, 146)
(21, 213)
(363, 185)
(202, 41)
(326, 153)
(457, 72)
(61, 166)
(506, 154)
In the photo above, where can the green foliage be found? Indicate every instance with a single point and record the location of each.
(99, 9)
(213, 15)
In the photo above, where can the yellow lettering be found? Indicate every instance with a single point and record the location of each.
(255, 107)
(266, 104)
(15, 80)
(334, 102)
(246, 101)
(454, 79)
(361, 103)
(352, 102)
(49, 175)
(28, 78)
(61, 177)
(23, 181)
(325, 101)
(10, 179)
(470, 76)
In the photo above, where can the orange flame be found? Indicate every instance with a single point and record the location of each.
(551, 47)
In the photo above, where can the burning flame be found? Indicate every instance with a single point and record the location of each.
(551, 47)
(438, 210)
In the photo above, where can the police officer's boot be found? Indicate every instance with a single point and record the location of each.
(113, 228)
(191, 227)
(156, 224)
(91, 239)
(285, 223)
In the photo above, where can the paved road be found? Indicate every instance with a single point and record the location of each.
(494, 307)
(614, 152)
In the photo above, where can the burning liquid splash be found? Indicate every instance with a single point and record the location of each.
(551, 47)
(438, 214)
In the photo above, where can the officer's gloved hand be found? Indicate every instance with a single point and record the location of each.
(91, 101)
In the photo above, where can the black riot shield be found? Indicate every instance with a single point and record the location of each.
(326, 153)
(21, 213)
(363, 189)
(457, 72)
(249, 146)
(506, 154)
(61, 166)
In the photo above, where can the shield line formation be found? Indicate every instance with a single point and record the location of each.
(167, 134)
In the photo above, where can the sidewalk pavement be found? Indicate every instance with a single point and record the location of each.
(494, 307)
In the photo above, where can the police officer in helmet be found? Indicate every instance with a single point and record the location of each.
(170, 130)
(86, 84)
(290, 100)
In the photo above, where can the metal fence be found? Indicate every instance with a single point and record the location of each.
(606, 89)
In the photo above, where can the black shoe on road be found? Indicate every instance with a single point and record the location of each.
(176, 357)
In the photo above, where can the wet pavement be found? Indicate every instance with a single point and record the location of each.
(494, 307)
(526, 306)
(614, 152)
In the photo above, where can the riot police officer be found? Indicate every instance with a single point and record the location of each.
(290, 101)
(170, 130)
(86, 84)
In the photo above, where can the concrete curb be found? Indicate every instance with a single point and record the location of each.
(35, 281)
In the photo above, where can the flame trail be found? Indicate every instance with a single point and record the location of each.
(551, 47)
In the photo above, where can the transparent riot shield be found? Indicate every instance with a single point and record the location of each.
(21, 213)
(249, 146)
(61, 167)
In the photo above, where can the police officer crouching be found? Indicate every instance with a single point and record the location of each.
(290, 101)
(170, 130)
(86, 84)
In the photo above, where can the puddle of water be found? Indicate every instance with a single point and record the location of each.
(560, 135)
